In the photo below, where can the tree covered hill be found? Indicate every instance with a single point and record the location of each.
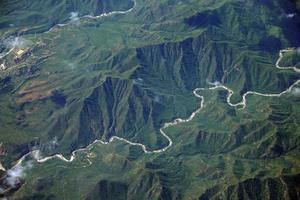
(67, 80)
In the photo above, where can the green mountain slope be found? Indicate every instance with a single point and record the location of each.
(126, 75)
(39, 16)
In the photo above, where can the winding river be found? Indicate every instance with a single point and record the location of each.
(82, 17)
(36, 153)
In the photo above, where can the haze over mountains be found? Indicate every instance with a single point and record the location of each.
(76, 71)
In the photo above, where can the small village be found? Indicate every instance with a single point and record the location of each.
(14, 57)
